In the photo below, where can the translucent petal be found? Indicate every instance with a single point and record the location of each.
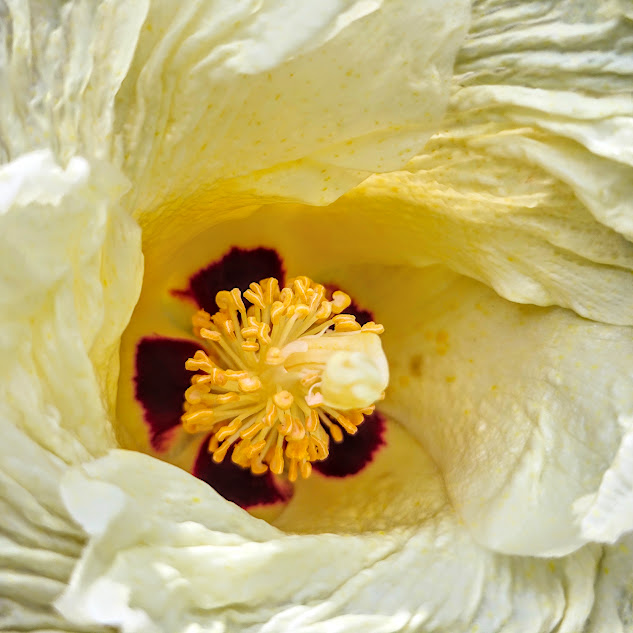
(72, 273)
(497, 219)
(160, 539)
(612, 608)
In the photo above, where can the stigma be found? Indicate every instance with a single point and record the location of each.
(278, 379)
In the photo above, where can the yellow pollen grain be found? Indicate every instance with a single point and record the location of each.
(248, 392)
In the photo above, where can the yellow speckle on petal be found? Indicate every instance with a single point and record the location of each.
(415, 365)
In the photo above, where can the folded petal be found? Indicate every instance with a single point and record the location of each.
(532, 414)
(255, 100)
(60, 70)
(529, 185)
(157, 538)
(524, 409)
(570, 44)
(558, 75)
(180, 538)
(612, 607)
(606, 514)
(71, 273)
(478, 203)
(40, 543)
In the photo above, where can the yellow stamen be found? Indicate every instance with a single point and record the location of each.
(274, 376)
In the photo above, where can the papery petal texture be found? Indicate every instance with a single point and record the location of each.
(528, 186)
(565, 106)
(522, 408)
(272, 581)
(205, 111)
(270, 92)
(77, 251)
(65, 242)
(71, 273)
(268, 71)
(61, 65)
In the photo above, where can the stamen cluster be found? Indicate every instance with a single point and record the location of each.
(258, 380)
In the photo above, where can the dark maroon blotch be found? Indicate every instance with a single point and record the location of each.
(238, 484)
(237, 269)
(362, 316)
(355, 451)
(161, 380)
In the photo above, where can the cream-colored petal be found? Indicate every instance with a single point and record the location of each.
(71, 273)
(449, 341)
(573, 44)
(522, 408)
(606, 514)
(151, 556)
(300, 100)
(562, 72)
(40, 543)
(168, 554)
(61, 66)
(614, 589)
(497, 219)
(529, 186)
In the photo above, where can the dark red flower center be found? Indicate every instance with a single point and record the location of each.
(161, 380)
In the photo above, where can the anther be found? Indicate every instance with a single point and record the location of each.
(283, 399)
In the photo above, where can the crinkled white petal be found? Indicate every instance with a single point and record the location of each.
(555, 79)
(168, 554)
(608, 513)
(613, 606)
(529, 185)
(301, 100)
(61, 65)
(40, 543)
(71, 272)
(72, 268)
(72, 255)
(497, 219)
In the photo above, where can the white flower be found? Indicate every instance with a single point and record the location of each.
(498, 259)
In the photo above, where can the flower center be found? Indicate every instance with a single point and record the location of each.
(279, 378)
